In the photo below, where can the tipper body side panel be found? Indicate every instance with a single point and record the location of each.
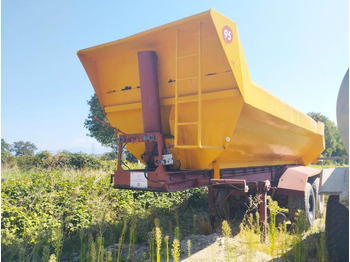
(208, 102)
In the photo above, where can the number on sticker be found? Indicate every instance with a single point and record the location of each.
(227, 34)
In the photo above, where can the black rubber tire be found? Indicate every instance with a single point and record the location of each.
(337, 230)
(319, 199)
(306, 203)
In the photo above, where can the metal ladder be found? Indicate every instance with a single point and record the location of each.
(194, 99)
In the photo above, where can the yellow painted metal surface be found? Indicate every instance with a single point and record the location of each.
(218, 116)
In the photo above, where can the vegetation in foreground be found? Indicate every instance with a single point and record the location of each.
(74, 215)
(62, 208)
(58, 212)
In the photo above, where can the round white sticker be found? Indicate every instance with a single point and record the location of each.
(227, 34)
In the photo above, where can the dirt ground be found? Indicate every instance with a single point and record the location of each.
(212, 249)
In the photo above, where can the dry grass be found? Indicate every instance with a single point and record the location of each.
(297, 244)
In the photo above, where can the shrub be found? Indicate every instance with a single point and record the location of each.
(8, 160)
(76, 161)
(44, 159)
(26, 162)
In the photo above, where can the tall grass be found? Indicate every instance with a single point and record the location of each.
(227, 233)
(189, 246)
(92, 249)
(194, 224)
(299, 246)
(166, 240)
(132, 238)
(151, 245)
(121, 238)
(82, 244)
(109, 256)
(321, 248)
(273, 208)
(279, 242)
(176, 243)
(176, 250)
(100, 249)
(158, 236)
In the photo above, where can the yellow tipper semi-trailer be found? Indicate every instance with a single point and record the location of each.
(181, 98)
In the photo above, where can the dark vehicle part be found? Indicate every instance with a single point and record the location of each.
(337, 230)
(306, 204)
(319, 199)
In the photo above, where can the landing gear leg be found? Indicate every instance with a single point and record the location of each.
(211, 198)
(263, 188)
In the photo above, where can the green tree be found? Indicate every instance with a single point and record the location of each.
(103, 134)
(5, 147)
(21, 148)
(334, 146)
(7, 159)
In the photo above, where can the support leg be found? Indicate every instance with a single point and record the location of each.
(263, 188)
(262, 208)
(211, 200)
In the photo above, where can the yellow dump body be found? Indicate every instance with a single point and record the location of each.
(218, 116)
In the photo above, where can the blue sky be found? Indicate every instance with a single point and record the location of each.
(297, 50)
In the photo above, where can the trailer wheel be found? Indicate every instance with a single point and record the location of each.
(337, 230)
(319, 199)
(306, 203)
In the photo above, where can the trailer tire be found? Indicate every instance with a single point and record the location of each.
(337, 230)
(306, 203)
(319, 199)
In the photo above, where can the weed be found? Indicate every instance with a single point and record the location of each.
(257, 222)
(251, 236)
(166, 240)
(100, 249)
(189, 245)
(321, 248)
(132, 238)
(194, 224)
(92, 249)
(283, 238)
(176, 250)
(158, 234)
(273, 208)
(109, 256)
(250, 226)
(122, 236)
(177, 219)
(227, 233)
(21, 254)
(298, 245)
(46, 253)
(226, 230)
(177, 232)
(52, 258)
(82, 246)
